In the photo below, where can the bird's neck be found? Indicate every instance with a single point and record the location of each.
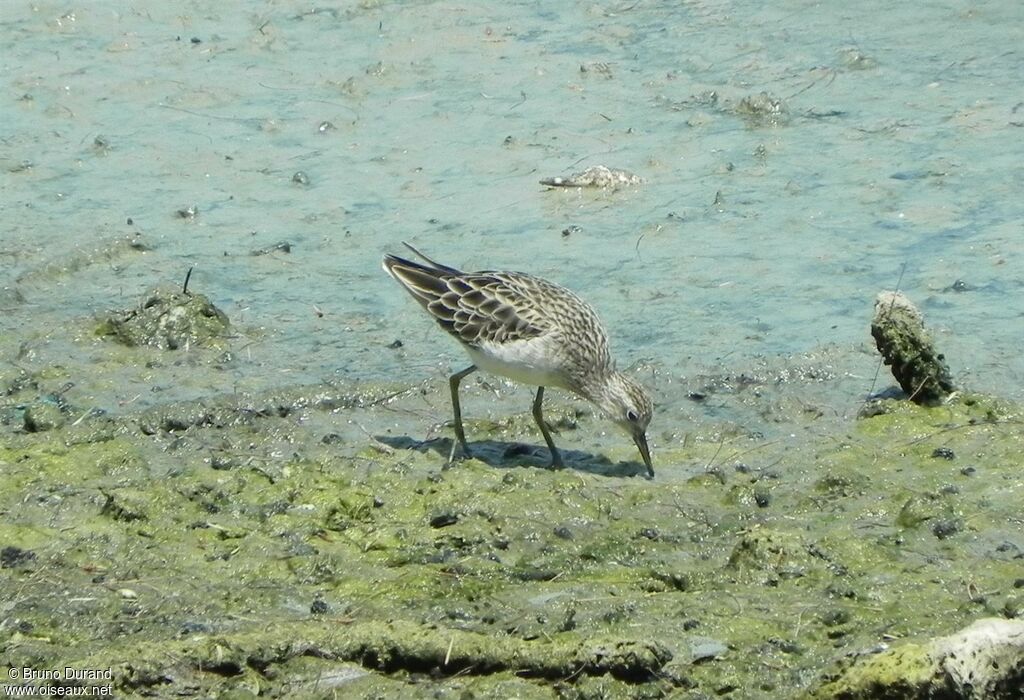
(593, 386)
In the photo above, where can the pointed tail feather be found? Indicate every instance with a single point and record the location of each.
(437, 265)
(425, 284)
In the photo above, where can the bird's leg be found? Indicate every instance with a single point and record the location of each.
(538, 415)
(460, 434)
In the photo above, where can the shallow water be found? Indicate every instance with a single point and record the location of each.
(892, 163)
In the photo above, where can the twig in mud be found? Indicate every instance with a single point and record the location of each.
(83, 416)
(210, 116)
(709, 466)
(613, 13)
(387, 398)
(375, 443)
(721, 444)
(702, 518)
(916, 391)
(574, 674)
(962, 426)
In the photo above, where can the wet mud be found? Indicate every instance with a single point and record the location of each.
(269, 543)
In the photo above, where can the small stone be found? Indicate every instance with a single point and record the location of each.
(943, 453)
(443, 519)
(650, 533)
(946, 527)
(563, 533)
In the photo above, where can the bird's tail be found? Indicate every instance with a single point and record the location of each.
(426, 283)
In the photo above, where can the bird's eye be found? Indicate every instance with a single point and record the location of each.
(632, 416)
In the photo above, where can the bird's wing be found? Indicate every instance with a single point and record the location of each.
(475, 307)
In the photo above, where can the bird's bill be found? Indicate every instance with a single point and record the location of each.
(640, 439)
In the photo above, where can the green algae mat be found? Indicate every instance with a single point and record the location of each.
(233, 548)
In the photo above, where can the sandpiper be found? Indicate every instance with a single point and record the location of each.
(531, 331)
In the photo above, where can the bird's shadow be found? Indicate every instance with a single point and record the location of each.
(509, 455)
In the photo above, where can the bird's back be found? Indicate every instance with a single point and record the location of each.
(510, 319)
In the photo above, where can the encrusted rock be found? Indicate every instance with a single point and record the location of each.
(898, 330)
(984, 661)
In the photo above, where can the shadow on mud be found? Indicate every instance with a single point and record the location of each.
(508, 455)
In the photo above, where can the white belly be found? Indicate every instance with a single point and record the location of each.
(531, 361)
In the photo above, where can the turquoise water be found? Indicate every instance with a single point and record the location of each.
(895, 158)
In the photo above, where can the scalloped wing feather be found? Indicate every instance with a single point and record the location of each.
(474, 307)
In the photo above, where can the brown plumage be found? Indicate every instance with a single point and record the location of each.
(529, 330)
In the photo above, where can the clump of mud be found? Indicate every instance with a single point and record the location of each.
(168, 320)
(762, 109)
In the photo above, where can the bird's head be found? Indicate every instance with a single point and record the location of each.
(627, 404)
